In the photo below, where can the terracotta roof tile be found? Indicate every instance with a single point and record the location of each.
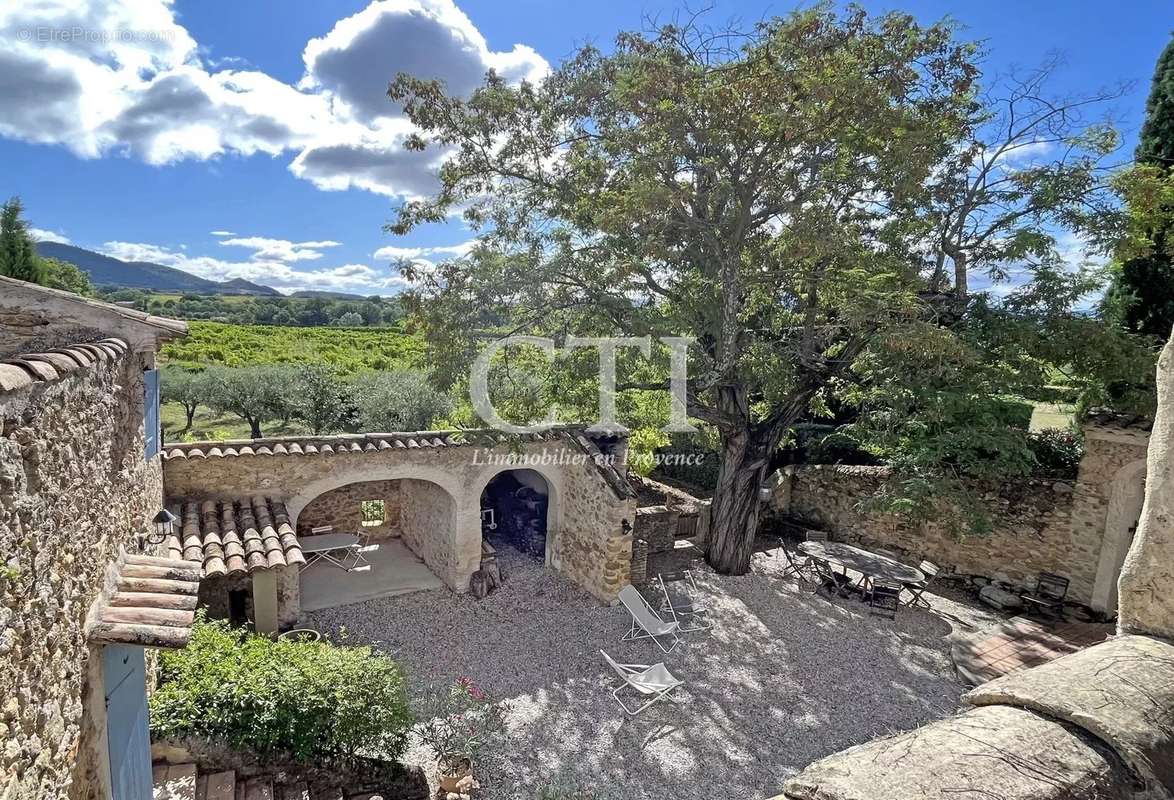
(153, 603)
(26, 369)
(234, 537)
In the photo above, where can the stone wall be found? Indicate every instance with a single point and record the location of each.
(426, 525)
(74, 489)
(1033, 530)
(340, 508)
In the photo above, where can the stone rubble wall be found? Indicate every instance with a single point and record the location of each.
(426, 525)
(74, 489)
(340, 508)
(1033, 530)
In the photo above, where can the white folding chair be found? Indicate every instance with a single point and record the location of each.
(356, 557)
(645, 622)
(654, 682)
(682, 600)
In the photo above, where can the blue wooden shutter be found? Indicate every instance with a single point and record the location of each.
(151, 411)
(128, 736)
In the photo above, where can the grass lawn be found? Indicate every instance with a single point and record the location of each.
(220, 427)
(1052, 415)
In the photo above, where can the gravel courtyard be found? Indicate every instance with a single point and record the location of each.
(783, 678)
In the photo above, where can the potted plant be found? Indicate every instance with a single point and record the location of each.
(460, 722)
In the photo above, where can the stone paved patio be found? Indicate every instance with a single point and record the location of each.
(1019, 643)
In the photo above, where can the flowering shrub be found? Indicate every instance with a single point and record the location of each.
(460, 722)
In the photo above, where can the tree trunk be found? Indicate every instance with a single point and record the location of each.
(191, 415)
(960, 276)
(254, 427)
(735, 507)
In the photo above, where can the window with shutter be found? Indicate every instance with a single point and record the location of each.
(151, 412)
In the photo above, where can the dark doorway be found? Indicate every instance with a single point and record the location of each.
(513, 511)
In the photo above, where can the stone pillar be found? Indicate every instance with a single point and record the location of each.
(1146, 586)
(265, 601)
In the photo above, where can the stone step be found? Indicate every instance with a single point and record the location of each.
(221, 786)
(260, 788)
(174, 782)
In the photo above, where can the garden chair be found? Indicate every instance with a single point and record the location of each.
(1047, 600)
(654, 682)
(799, 566)
(356, 557)
(884, 598)
(645, 622)
(828, 578)
(930, 570)
(682, 599)
(816, 536)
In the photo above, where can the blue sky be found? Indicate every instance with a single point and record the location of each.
(251, 140)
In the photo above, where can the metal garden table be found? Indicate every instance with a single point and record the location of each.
(868, 564)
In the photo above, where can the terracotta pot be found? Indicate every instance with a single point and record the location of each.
(452, 775)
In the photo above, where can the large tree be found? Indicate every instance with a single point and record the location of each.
(757, 191)
(18, 256)
(1142, 296)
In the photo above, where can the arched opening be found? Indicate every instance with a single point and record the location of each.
(1126, 497)
(516, 510)
(404, 531)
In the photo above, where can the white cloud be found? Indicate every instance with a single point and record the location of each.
(42, 235)
(223, 233)
(391, 253)
(111, 76)
(280, 249)
(356, 278)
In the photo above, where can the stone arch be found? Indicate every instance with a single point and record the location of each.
(555, 488)
(1126, 495)
(436, 521)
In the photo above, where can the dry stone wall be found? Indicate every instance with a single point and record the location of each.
(427, 526)
(1033, 530)
(74, 488)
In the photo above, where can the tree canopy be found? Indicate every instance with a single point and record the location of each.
(18, 256)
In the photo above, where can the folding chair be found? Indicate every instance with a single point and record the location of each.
(884, 597)
(356, 557)
(654, 682)
(682, 601)
(828, 578)
(799, 567)
(930, 570)
(1047, 600)
(645, 622)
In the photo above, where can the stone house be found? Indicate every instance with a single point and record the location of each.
(80, 595)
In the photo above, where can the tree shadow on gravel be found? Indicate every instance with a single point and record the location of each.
(783, 678)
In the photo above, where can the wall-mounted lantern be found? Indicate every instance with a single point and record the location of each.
(163, 524)
(626, 527)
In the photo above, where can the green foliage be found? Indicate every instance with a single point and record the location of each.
(399, 400)
(1156, 140)
(312, 700)
(321, 399)
(187, 388)
(374, 311)
(460, 722)
(1057, 451)
(18, 256)
(348, 350)
(67, 277)
(256, 394)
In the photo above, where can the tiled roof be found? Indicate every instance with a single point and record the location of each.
(1104, 418)
(20, 371)
(153, 603)
(235, 537)
(350, 443)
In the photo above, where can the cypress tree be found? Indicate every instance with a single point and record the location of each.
(1143, 291)
(18, 256)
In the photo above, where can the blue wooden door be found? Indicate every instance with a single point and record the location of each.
(128, 737)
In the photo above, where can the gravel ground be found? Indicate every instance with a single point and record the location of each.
(783, 678)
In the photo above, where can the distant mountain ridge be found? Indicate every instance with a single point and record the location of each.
(106, 271)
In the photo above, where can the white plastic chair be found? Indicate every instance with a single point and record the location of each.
(682, 602)
(654, 682)
(645, 622)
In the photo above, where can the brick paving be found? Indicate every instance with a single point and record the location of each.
(1020, 643)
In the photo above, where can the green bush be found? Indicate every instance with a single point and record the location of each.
(311, 700)
(1057, 451)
